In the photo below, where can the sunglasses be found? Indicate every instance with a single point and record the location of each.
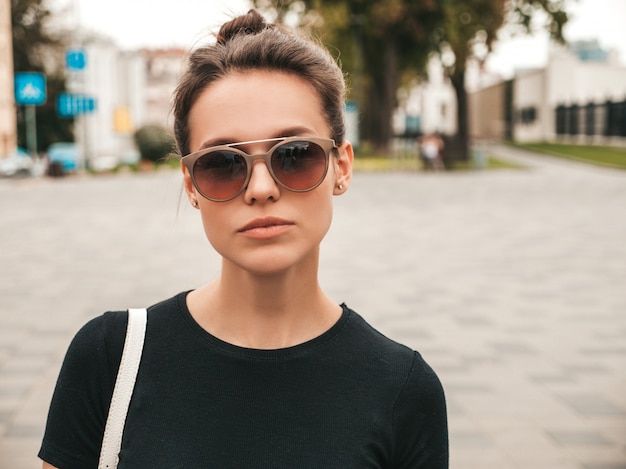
(298, 164)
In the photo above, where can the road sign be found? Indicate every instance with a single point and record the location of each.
(69, 105)
(30, 89)
(75, 59)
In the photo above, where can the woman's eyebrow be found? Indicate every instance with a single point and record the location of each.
(288, 132)
(214, 142)
(295, 132)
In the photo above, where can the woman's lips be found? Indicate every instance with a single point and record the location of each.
(263, 228)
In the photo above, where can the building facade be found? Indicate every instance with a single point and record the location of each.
(579, 97)
(131, 89)
(489, 111)
(163, 68)
(8, 125)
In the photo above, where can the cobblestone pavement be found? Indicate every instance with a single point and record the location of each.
(512, 284)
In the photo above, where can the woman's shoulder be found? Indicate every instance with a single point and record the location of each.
(99, 332)
(393, 363)
(368, 337)
(387, 357)
(104, 335)
(97, 344)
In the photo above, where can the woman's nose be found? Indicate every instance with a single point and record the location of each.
(261, 186)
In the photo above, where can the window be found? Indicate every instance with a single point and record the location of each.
(528, 115)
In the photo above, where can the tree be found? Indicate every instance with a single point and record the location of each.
(36, 48)
(383, 42)
(380, 42)
(469, 30)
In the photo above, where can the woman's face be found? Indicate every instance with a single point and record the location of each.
(266, 229)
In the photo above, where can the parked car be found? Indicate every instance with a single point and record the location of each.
(19, 163)
(65, 154)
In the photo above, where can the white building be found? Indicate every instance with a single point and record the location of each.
(567, 100)
(568, 79)
(131, 89)
(163, 69)
(116, 80)
(431, 104)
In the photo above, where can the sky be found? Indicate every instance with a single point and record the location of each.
(145, 23)
(604, 20)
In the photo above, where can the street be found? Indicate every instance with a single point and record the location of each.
(511, 283)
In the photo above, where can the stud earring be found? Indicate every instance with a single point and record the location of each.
(194, 203)
(340, 187)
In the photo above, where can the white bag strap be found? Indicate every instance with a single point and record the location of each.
(124, 385)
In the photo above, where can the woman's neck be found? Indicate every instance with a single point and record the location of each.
(264, 311)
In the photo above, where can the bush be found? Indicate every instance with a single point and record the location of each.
(154, 143)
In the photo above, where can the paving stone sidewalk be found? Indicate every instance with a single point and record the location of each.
(511, 283)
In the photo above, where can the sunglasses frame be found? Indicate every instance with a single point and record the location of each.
(189, 161)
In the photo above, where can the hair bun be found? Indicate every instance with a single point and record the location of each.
(250, 23)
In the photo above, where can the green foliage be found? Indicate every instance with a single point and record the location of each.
(521, 13)
(33, 40)
(381, 43)
(37, 49)
(378, 43)
(155, 143)
(470, 27)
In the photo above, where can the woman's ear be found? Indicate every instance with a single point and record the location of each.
(192, 196)
(343, 167)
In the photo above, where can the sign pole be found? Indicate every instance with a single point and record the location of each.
(30, 91)
(31, 129)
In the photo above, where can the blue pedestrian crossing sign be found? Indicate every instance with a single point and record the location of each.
(75, 59)
(30, 89)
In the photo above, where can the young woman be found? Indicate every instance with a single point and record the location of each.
(259, 368)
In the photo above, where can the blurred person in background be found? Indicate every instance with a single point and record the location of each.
(431, 151)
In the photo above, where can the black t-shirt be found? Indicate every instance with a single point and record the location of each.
(350, 398)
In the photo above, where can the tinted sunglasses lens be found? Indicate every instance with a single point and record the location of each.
(220, 175)
(299, 165)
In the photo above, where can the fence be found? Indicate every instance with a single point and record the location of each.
(606, 119)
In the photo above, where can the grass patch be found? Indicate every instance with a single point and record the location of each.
(614, 157)
(383, 164)
(491, 163)
(496, 163)
(407, 159)
(171, 163)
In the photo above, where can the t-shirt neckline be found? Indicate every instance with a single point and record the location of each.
(232, 349)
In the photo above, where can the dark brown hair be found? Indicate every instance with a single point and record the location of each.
(248, 42)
